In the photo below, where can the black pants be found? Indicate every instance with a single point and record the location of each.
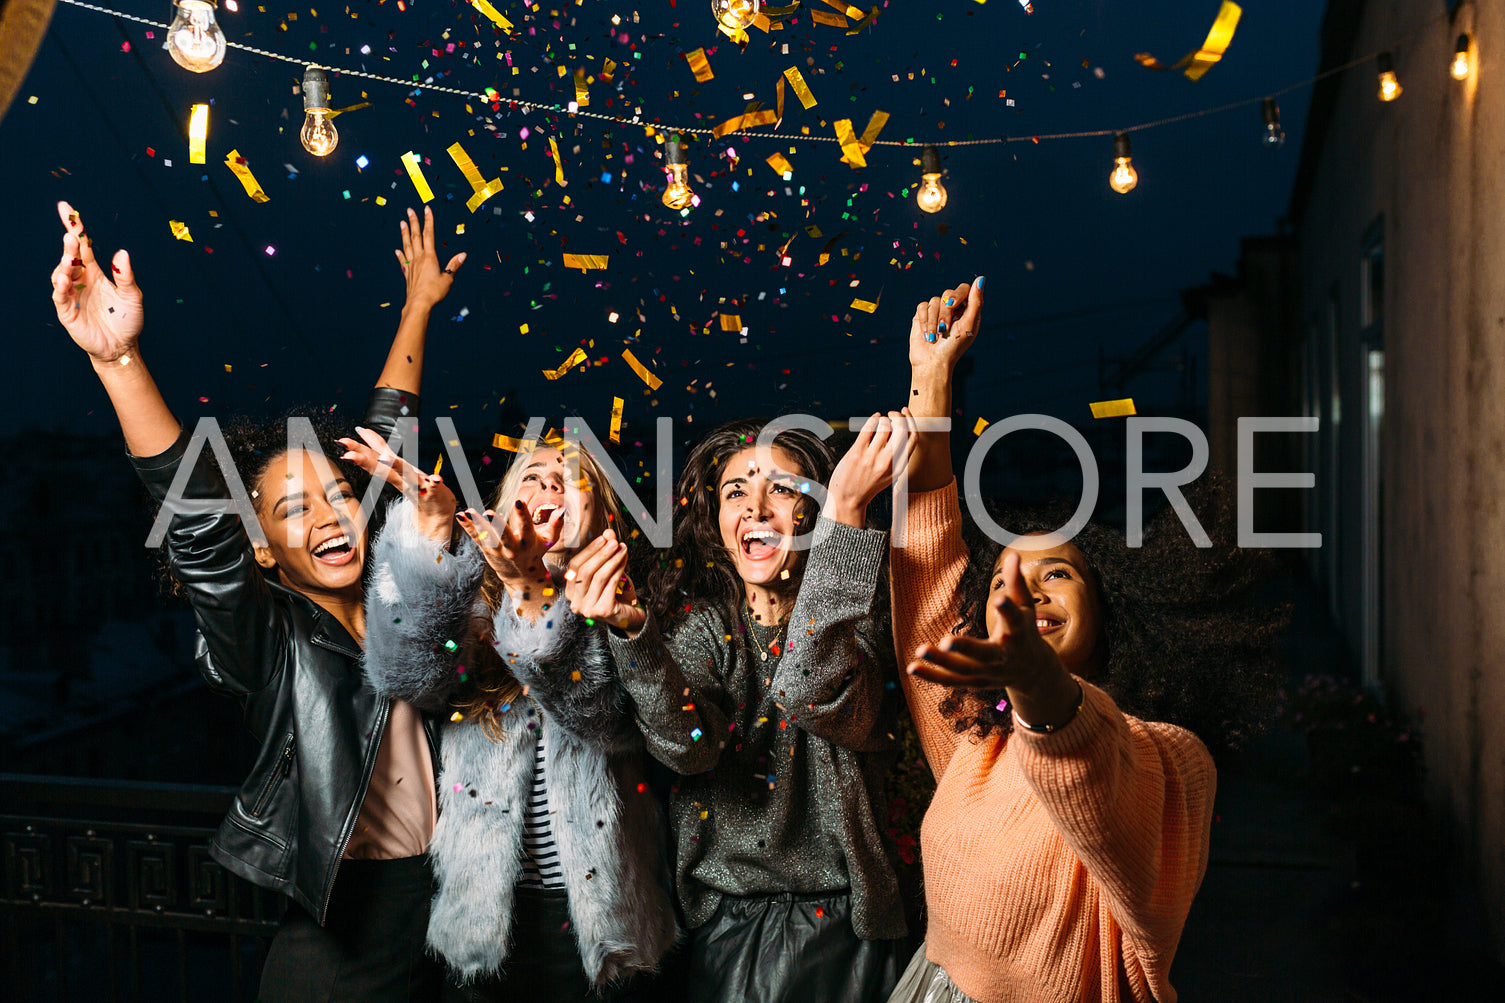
(371, 947)
(544, 963)
(789, 949)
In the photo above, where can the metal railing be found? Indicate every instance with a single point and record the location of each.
(110, 893)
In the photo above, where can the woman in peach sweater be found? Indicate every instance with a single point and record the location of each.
(1069, 832)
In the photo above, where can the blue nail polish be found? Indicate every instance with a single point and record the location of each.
(941, 327)
(950, 301)
(929, 335)
(978, 284)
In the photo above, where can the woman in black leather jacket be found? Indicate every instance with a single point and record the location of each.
(323, 817)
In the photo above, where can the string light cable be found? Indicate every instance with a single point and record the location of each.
(529, 106)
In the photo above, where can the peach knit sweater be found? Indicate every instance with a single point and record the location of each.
(1057, 867)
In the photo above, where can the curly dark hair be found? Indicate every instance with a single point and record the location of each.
(1189, 639)
(697, 567)
(255, 442)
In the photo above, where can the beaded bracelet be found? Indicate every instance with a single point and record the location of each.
(1046, 729)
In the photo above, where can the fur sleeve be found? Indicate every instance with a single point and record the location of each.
(568, 669)
(418, 612)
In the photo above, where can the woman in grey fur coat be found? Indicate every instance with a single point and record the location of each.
(548, 853)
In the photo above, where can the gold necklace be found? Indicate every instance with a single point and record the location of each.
(766, 644)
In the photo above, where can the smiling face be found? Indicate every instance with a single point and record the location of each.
(320, 557)
(548, 485)
(1068, 612)
(756, 515)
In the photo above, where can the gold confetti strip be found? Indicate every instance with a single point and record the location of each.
(1114, 409)
(780, 11)
(237, 163)
(615, 435)
(482, 190)
(582, 93)
(867, 19)
(507, 442)
(558, 163)
(778, 90)
(607, 70)
(493, 13)
(348, 107)
(851, 151)
(586, 262)
(699, 65)
(982, 423)
(845, 8)
(869, 135)
(731, 322)
(1199, 61)
(746, 121)
(802, 89)
(737, 35)
(410, 161)
(643, 374)
(834, 20)
(576, 357)
(780, 163)
(180, 230)
(198, 133)
(825, 252)
(864, 306)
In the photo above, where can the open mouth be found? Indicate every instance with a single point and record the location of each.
(544, 513)
(334, 551)
(761, 544)
(1046, 624)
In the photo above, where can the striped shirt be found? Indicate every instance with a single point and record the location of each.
(541, 867)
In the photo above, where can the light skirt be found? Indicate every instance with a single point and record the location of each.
(926, 982)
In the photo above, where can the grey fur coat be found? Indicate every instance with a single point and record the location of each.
(423, 624)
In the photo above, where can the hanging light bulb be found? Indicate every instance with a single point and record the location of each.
(931, 195)
(735, 14)
(1390, 88)
(318, 133)
(1124, 176)
(678, 196)
(1274, 134)
(194, 39)
(1461, 62)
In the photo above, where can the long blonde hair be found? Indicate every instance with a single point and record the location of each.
(491, 686)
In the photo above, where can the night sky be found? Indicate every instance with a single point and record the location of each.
(1071, 266)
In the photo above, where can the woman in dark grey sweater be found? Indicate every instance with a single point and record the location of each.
(760, 677)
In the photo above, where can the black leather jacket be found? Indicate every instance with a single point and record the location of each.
(297, 673)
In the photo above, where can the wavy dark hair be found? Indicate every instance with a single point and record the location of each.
(1190, 640)
(697, 567)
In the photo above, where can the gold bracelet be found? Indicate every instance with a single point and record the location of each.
(1046, 729)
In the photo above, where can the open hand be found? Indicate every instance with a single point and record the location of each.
(433, 501)
(1013, 655)
(868, 467)
(597, 586)
(103, 317)
(945, 326)
(511, 545)
(427, 282)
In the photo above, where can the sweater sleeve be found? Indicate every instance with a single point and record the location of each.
(567, 668)
(1133, 800)
(927, 574)
(677, 689)
(420, 612)
(830, 675)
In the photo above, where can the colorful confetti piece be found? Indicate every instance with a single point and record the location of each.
(415, 172)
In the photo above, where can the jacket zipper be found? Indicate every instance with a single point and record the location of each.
(379, 730)
(279, 771)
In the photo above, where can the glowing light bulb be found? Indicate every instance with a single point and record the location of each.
(735, 14)
(318, 133)
(930, 196)
(1124, 176)
(1274, 135)
(1390, 87)
(1461, 63)
(678, 196)
(194, 39)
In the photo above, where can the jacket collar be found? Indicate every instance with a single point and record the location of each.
(328, 632)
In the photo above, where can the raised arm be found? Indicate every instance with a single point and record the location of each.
(427, 285)
(939, 334)
(832, 675)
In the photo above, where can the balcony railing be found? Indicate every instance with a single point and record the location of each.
(110, 894)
